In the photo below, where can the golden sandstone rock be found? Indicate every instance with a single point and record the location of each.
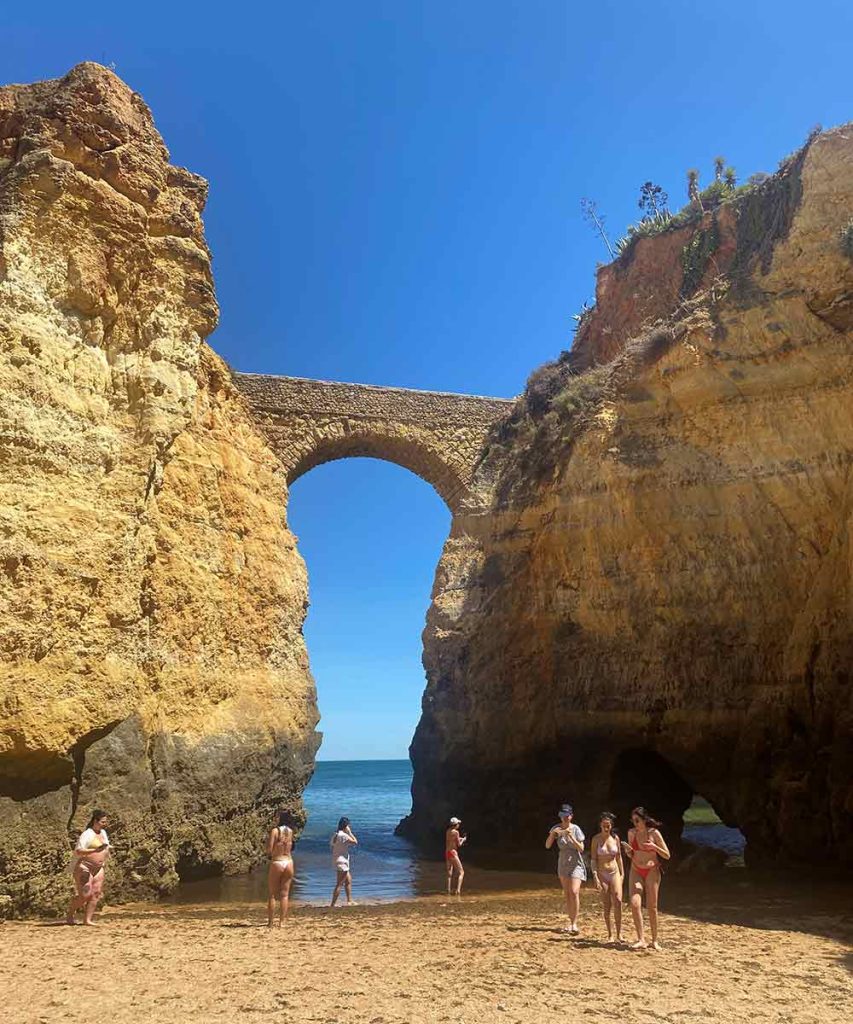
(659, 601)
(649, 598)
(151, 596)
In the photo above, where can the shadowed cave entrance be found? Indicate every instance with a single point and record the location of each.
(642, 777)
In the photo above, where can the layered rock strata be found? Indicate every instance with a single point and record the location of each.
(658, 602)
(151, 595)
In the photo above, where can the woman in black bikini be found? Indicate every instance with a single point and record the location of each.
(280, 877)
(645, 844)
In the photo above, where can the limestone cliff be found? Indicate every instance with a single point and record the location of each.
(659, 602)
(151, 596)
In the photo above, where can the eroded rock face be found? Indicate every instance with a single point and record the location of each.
(659, 601)
(151, 596)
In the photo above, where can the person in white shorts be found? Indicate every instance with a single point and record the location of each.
(340, 843)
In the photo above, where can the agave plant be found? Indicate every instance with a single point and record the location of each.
(692, 184)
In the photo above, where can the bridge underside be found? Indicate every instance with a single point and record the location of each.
(436, 435)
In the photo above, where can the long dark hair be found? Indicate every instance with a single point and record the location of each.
(641, 812)
(343, 824)
(96, 816)
(285, 818)
(608, 816)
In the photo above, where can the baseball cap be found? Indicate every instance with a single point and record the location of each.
(455, 821)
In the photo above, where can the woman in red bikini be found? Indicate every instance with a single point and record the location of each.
(452, 843)
(645, 844)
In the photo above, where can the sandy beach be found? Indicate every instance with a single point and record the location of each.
(733, 952)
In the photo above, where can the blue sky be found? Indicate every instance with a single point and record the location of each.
(394, 199)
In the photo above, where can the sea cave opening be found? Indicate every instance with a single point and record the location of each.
(690, 823)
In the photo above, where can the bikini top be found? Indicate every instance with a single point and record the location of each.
(284, 836)
(603, 850)
(635, 845)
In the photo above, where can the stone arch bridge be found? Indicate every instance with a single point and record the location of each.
(437, 435)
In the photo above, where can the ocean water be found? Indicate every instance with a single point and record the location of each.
(375, 795)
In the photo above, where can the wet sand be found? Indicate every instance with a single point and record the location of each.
(732, 952)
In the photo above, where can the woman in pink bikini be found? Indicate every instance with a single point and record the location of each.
(608, 872)
(280, 875)
(87, 868)
(645, 844)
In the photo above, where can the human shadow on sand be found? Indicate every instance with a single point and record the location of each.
(561, 935)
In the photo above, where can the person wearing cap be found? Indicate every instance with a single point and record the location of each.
(453, 842)
(571, 869)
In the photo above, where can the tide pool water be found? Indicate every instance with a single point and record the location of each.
(375, 795)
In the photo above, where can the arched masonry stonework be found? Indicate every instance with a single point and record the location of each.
(437, 435)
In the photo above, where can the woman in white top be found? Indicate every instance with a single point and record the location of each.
(340, 843)
(87, 868)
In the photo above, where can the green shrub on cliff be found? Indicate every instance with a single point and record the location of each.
(696, 255)
(541, 388)
(581, 393)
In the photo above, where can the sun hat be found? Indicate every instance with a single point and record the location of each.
(455, 821)
(566, 810)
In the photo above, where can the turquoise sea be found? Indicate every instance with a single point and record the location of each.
(375, 795)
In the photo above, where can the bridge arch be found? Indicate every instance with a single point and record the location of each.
(408, 452)
(439, 436)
